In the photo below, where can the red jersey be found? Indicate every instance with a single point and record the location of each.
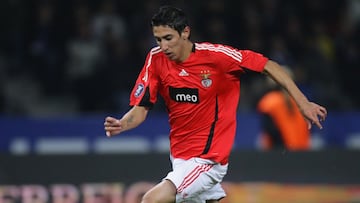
(201, 95)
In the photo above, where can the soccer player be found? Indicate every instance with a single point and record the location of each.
(200, 84)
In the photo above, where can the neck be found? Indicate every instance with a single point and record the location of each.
(188, 46)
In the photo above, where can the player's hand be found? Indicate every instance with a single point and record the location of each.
(112, 126)
(314, 114)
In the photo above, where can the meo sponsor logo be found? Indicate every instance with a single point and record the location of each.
(190, 95)
(186, 98)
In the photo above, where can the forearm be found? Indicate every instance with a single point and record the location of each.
(133, 118)
(311, 111)
(277, 73)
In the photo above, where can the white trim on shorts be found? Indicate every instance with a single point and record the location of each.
(197, 179)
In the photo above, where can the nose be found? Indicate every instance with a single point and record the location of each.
(164, 46)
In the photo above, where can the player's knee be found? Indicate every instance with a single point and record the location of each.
(156, 197)
(148, 198)
(153, 198)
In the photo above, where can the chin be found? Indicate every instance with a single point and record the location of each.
(173, 58)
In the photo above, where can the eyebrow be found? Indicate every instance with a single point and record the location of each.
(165, 36)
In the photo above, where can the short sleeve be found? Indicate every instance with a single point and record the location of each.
(144, 92)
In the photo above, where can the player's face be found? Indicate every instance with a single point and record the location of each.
(171, 42)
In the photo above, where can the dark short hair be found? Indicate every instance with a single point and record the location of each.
(170, 16)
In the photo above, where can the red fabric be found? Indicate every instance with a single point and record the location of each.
(212, 72)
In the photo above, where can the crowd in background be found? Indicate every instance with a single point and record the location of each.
(83, 56)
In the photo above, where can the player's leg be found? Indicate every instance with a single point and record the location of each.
(164, 192)
(214, 194)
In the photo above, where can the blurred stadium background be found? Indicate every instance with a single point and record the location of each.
(66, 64)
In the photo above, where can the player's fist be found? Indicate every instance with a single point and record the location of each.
(112, 126)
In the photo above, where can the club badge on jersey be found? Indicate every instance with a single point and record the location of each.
(205, 81)
(139, 90)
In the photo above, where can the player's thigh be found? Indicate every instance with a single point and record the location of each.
(201, 181)
(214, 194)
(164, 192)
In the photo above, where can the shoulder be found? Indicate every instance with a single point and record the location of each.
(154, 54)
(271, 99)
(220, 50)
(212, 47)
(155, 51)
(274, 95)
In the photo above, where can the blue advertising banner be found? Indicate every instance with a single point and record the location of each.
(85, 134)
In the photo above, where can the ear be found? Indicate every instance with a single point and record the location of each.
(185, 33)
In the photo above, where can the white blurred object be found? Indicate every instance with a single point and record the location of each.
(162, 144)
(353, 141)
(124, 144)
(62, 145)
(19, 146)
(317, 142)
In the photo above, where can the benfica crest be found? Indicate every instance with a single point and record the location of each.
(206, 81)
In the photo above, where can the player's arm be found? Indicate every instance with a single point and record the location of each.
(311, 111)
(134, 117)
